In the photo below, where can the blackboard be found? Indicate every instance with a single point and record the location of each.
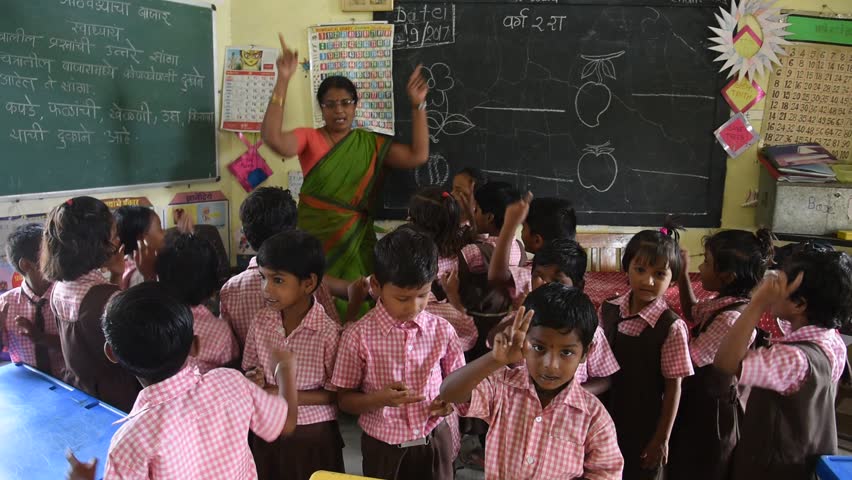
(103, 93)
(612, 104)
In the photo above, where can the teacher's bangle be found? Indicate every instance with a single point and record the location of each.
(277, 100)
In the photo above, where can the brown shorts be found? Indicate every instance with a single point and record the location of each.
(427, 462)
(318, 446)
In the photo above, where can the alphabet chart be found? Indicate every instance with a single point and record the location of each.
(364, 54)
(250, 75)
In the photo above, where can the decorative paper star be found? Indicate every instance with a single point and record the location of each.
(772, 29)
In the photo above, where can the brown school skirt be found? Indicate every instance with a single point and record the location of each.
(318, 446)
(427, 462)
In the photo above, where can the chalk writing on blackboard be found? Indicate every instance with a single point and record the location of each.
(118, 136)
(141, 114)
(82, 46)
(597, 169)
(88, 109)
(155, 15)
(19, 36)
(95, 30)
(428, 25)
(552, 23)
(192, 80)
(17, 81)
(74, 137)
(104, 6)
(98, 70)
(31, 61)
(164, 58)
(27, 109)
(126, 52)
(33, 134)
(150, 74)
(593, 97)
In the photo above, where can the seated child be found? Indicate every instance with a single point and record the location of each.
(138, 228)
(291, 269)
(80, 238)
(184, 424)
(464, 184)
(27, 325)
(712, 404)
(391, 363)
(650, 344)
(187, 267)
(542, 423)
(790, 418)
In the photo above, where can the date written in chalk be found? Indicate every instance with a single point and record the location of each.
(552, 23)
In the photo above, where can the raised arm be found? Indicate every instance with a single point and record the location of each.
(284, 143)
(516, 213)
(416, 154)
(684, 287)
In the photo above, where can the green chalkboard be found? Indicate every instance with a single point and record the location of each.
(105, 93)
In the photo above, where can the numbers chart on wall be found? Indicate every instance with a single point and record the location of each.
(250, 75)
(364, 54)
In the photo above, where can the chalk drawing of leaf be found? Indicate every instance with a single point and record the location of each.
(589, 69)
(608, 69)
(457, 124)
(435, 120)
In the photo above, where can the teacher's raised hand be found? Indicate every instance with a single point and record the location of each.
(287, 61)
(417, 87)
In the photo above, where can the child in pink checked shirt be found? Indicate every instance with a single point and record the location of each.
(291, 268)
(187, 267)
(790, 420)
(27, 325)
(135, 224)
(650, 344)
(391, 363)
(712, 403)
(184, 424)
(542, 423)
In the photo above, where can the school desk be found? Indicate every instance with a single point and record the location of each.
(834, 467)
(41, 417)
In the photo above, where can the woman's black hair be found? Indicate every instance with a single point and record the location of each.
(149, 330)
(77, 239)
(131, 222)
(188, 267)
(652, 245)
(437, 213)
(744, 254)
(339, 82)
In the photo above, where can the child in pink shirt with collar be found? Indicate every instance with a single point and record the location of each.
(184, 424)
(391, 363)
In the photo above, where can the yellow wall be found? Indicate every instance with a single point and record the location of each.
(258, 21)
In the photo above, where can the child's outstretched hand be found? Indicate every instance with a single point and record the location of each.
(256, 376)
(145, 257)
(115, 263)
(774, 288)
(684, 262)
(450, 283)
(655, 454)
(509, 344)
(397, 394)
(80, 470)
(440, 408)
(28, 329)
(516, 213)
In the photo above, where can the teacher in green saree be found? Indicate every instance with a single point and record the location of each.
(342, 165)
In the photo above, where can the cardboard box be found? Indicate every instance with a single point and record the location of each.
(804, 208)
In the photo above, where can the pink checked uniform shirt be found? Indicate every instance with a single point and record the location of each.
(217, 345)
(242, 297)
(674, 356)
(21, 302)
(379, 350)
(783, 368)
(572, 437)
(314, 342)
(702, 349)
(67, 296)
(600, 362)
(195, 426)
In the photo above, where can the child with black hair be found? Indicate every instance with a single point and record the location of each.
(187, 267)
(184, 424)
(391, 363)
(712, 404)
(138, 228)
(80, 238)
(549, 218)
(291, 269)
(465, 182)
(650, 344)
(790, 421)
(542, 424)
(27, 325)
(491, 202)
(437, 214)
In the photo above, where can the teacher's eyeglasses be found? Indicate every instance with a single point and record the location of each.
(332, 104)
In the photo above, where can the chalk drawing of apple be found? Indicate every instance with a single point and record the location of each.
(597, 168)
(593, 97)
(435, 172)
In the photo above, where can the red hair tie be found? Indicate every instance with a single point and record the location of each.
(664, 231)
(444, 195)
(69, 202)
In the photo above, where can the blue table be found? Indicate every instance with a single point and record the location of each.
(41, 417)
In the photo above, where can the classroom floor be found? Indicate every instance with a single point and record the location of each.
(352, 452)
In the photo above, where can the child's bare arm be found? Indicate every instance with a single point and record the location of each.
(285, 375)
(772, 289)
(684, 286)
(394, 395)
(516, 213)
(598, 385)
(317, 397)
(337, 286)
(657, 451)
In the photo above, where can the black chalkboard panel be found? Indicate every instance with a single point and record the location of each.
(612, 104)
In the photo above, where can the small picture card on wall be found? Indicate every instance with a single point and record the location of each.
(367, 5)
(736, 135)
(742, 94)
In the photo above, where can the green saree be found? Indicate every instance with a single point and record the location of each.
(337, 202)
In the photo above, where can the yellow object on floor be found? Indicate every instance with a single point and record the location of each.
(322, 475)
(844, 234)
